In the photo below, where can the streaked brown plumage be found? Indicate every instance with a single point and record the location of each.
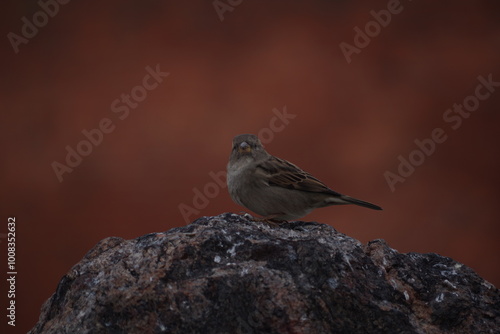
(275, 188)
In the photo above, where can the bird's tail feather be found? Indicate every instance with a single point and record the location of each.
(351, 200)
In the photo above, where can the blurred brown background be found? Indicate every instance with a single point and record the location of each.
(352, 121)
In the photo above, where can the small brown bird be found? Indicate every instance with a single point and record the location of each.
(275, 188)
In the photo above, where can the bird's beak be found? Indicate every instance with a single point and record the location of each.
(244, 148)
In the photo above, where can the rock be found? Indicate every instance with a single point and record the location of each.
(228, 274)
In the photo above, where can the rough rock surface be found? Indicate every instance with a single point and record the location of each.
(228, 274)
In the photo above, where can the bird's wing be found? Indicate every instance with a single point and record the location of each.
(282, 173)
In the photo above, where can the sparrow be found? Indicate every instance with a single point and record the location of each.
(275, 188)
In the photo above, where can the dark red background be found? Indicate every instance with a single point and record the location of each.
(352, 122)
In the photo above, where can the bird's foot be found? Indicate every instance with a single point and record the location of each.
(270, 220)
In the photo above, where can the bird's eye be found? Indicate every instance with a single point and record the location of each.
(244, 147)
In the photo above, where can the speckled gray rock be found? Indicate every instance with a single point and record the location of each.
(228, 274)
